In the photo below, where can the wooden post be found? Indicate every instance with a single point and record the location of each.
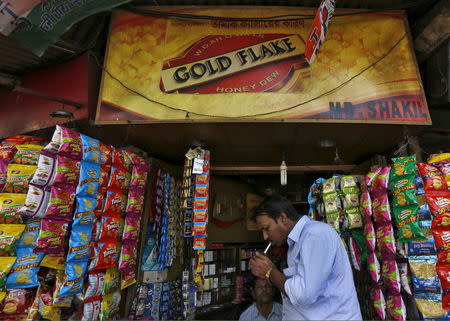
(414, 147)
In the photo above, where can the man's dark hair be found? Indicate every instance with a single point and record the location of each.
(273, 206)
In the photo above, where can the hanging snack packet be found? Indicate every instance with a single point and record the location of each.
(438, 157)
(135, 202)
(128, 255)
(109, 231)
(403, 166)
(110, 306)
(433, 178)
(36, 202)
(118, 159)
(76, 270)
(331, 185)
(385, 240)
(443, 272)
(7, 150)
(424, 213)
(89, 180)
(371, 176)
(3, 173)
(16, 303)
(444, 167)
(430, 305)
(30, 234)
(18, 178)
(91, 149)
(369, 234)
(106, 256)
(119, 180)
(6, 263)
(24, 271)
(355, 254)
(348, 184)
(391, 275)
(366, 204)
(379, 303)
(408, 224)
(112, 280)
(81, 252)
(115, 203)
(405, 278)
(91, 310)
(67, 171)
(136, 159)
(139, 178)
(439, 202)
(9, 237)
(71, 287)
(95, 285)
(51, 237)
(55, 262)
(396, 307)
(354, 217)
(10, 204)
(70, 143)
(27, 154)
(441, 242)
(33, 311)
(381, 209)
(441, 221)
(380, 182)
(57, 301)
(106, 154)
(104, 178)
(127, 277)
(423, 270)
(60, 205)
(404, 193)
(45, 169)
(426, 246)
(50, 312)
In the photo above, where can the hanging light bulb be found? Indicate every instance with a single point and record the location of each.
(283, 173)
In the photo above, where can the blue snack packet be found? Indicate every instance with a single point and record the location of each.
(76, 270)
(424, 213)
(423, 272)
(24, 271)
(72, 287)
(426, 246)
(89, 180)
(30, 234)
(91, 149)
(430, 305)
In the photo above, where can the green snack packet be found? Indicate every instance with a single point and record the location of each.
(408, 224)
(332, 203)
(405, 198)
(403, 166)
(402, 183)
(333, 220)
(354, 217)
(358, 235)
(330, 185)
(349, 184)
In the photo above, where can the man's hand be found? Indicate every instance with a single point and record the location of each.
(260, 264)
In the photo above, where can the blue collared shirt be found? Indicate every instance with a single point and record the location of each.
(252, 313)
(320, 280)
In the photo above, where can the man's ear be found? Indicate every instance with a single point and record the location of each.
(283, 218)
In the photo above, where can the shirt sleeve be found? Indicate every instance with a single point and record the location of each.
(312, 269)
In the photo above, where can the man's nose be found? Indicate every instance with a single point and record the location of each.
(265, 236)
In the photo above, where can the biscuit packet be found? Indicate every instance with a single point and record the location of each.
(18, 178)
(36, 202)
(9, 237)
(45, 169)
(24, 271)
(27, 154)
(10, 204)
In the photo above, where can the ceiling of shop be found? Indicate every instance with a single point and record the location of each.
(17, 60)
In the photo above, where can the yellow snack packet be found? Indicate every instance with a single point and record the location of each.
(127, 278)
(18, 178)
(52, 261)
(33, 311)
(10, 203)
(27, 154)
(110, 306)
(58, 302)
(9, 236)
(112, 280)
(438, 157)
(51, 313)
(2, 296)
(6, 264)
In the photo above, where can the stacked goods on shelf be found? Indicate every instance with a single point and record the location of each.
(66, 218)
(438, 199)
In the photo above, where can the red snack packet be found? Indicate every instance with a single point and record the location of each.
(442, 244)
(118, 159)
(106, 256)
(104, 177)
(438, 201)
(16, 303)
(19, 139)
(51, 237)
(119, 180)
(443, 272)
(106, 154)
(115, 203)
(110, 227)
(137, 160)
(61, 202)
(7, 151)
(135, 203)
(70, 144)
(99, 207)
(433, 179)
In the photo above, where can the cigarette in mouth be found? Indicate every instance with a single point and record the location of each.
(267, 248)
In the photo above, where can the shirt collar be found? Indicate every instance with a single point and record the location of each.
(270, 314)
(294, 235)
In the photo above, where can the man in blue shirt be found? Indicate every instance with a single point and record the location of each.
(264, 307)
(318, 283)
